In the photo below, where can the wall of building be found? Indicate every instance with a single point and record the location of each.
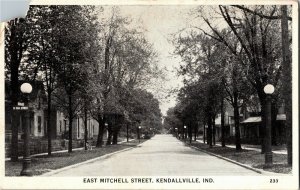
(61, 124)
(38, 123)
(78, 128)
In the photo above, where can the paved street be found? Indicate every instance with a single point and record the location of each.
(162, 155)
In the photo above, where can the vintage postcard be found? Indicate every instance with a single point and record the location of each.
(142, 94)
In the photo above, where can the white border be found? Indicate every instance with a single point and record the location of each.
(227, 182)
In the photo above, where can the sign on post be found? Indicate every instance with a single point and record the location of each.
(20, 108)
(21, 104)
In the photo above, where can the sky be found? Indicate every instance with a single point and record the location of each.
(160, 22)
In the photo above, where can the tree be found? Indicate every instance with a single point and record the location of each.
(258, 38)
(128, 64)
(204, 67)
(77, 35)
(19, 35)
(42, 56)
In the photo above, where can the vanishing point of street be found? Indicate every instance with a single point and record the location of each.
(163, 155)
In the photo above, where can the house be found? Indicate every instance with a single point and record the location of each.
(78, 128)
(228, 125)
(251, 127)
(250, 124)
(228, 121)
(37, 100)
(38, 117)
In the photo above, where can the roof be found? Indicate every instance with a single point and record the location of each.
(252, 120)
(279, 117)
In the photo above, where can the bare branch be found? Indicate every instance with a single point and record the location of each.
(271, 17)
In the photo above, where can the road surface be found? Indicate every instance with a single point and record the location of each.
(163, 155)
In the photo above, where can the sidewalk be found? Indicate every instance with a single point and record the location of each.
(62, 151)
(44, 163)
(251, 147)
(250, 156)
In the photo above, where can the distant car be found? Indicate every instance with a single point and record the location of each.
(146, 136)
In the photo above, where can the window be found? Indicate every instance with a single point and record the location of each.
(39, 124)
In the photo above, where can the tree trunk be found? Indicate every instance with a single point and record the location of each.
(287, 82)
(108, 142)
(195, 131)
(85, 128)
(14, 85)
(101, 123)
(222, 123)
(70, 123)
(183, 132)
(15, 50)
(237, 125)
(214, 129)
(49, 127)
(115, 136)
(236, 111)
(209, 131)
(127, 126)
(204, 132)
(190, 130)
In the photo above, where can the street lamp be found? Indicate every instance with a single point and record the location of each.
(151, 132)
(176, 131)
(268, 89)
(26, 89)
(184, 132)
(139, 137)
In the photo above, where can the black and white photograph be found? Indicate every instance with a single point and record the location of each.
(149, 95)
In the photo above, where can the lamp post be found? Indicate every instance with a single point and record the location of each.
(176, 131)
(184, 132)
(26, 89)
(139, 137)
(268, 89)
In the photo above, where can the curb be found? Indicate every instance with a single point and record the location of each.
(87, 161)
(260, 171)
(229, 160)
(84, 162)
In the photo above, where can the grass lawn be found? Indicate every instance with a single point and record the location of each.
(249, 157)
(45, 163)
